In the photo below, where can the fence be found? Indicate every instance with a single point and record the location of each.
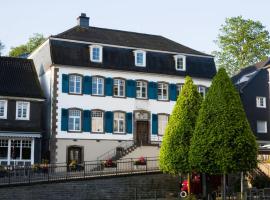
(10, 175)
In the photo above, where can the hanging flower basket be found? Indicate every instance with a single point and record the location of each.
(140, 161)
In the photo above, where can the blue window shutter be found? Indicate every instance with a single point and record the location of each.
(129, 122)
(152, 90)
(154, 124)
(131, 88)
(108, 122)
(173, 92)
(87, 84)
(108, 86)
(86, 121)
(65, 81)
(64, 119)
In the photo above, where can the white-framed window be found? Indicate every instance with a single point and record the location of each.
(180, 62)
(119, 86)
(96, 53)
(3, 109)
(119, 125)
(22, 110)
(261, 102)
(75, 84)
(74, 120)
(3, 149)
(21, 149)
(261, 126)
(97, 121)
(202, 90)
(97, 86)
(141, 89)
(140, 58)
(163, 91)
(162, 123)
(179, 88)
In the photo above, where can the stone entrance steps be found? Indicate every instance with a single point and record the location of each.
(143, 151)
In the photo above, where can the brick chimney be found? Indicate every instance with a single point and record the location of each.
(83, 20)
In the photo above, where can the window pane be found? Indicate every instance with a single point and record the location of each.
(261, 126)
(97, 121)
(2, 108)
(162, 123)
(15, 149)
(3, 149)
(75, 84)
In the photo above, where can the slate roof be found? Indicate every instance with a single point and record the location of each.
(18, 78)
(125, 38)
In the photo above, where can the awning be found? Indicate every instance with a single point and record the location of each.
(20, 134)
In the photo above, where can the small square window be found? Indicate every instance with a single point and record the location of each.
(262, 126)
(96, 53)
(261, 102)
(22, 110)
(180, 62)
(140, 58)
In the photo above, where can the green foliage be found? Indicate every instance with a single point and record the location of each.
(29, 47)
(222, 141)
(1, 47)
(173, 156)
(241, 43)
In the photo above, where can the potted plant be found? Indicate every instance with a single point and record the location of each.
(3, 171)
(44, 166)
(140, 161)
(109, 163)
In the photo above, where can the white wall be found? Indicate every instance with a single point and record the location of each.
(109, 103)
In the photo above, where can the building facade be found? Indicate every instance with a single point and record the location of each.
(21, 102)
(106, 87)
(253, 85)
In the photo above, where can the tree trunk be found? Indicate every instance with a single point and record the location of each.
(242, 186)
(204, 189)
(224, 187)
(189, 182)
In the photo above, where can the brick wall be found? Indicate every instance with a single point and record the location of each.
(127, 187)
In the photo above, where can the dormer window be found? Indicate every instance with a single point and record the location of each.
(96, 53)
(180, 62)
(140, 58)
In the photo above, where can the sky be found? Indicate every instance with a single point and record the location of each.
(194, 23)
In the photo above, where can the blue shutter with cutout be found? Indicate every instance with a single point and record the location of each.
(131, 88)
(108, 87)
(108, 122)
(86, 121)
(64, 119)
(154, 124)
(87, 85)
(152, 90)
(65, 80)
(173, 92)
(129, 122)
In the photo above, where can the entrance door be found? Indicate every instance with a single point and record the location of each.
(75, 153)
(142, 135)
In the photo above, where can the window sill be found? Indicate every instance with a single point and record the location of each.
(22, 119)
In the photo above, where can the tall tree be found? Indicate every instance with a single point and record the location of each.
(241, 42)
(1, 47)
(222, 141)
(173, 156)
(29, 47)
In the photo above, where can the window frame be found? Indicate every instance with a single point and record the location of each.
(146, 90)
(162, 114)
(181, 85)
(5, 109)
(124, 123)
(204, 88)
(81, 120)
(92, 47)
(136, 52)
(81, 84)
(27, 110)
(176, 57)
(118, 87)
(103, 121)
(265, 126)
(168, 95)
(258, 102)
(103, 86)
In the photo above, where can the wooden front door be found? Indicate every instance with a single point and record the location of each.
(142, 132)
(75, 153)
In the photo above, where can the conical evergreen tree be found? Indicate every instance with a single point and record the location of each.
(173, 156)
(222, 141)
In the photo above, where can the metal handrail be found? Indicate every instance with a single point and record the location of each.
(112, 152)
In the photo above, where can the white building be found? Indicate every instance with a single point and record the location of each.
(107, 86)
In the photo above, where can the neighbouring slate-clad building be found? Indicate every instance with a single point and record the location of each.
(21, 101)
(253, 85)
(108, 86)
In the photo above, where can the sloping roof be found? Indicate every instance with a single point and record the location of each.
(18, 78)
(125, 38)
